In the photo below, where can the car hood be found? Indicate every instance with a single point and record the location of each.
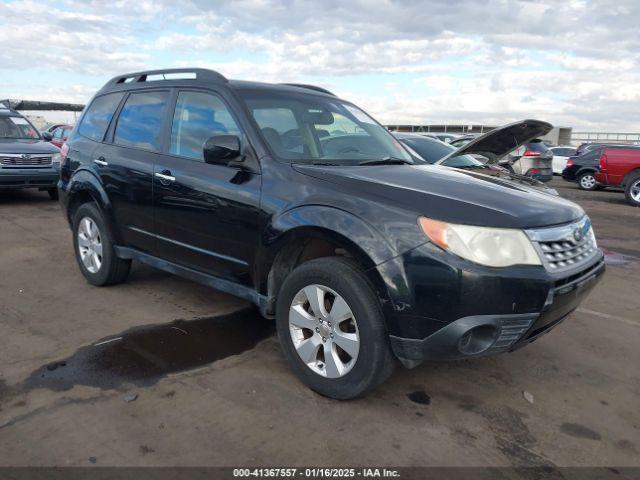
(30, 146)
(502, 140)
(451, 195)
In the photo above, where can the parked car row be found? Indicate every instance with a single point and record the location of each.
(593, 166)
(604, 165)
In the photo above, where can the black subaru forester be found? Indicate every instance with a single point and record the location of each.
(300, 202)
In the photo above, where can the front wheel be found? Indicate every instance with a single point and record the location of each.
(587, 181)
(332, 330)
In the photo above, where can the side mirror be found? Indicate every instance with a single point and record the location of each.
(221, 149)
(47, 136)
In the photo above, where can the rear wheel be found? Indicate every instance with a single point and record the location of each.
(53, 193)
(632, 190)
(94, 248)
(332, 330)
(587, 181)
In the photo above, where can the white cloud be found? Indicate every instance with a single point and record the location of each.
(575, 62)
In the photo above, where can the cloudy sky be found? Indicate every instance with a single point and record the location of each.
(571, 62)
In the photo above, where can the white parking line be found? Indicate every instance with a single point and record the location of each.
(607, 316)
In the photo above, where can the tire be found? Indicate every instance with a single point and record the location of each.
(109, 269)
(53, 193)
(632, 190)
(587, 181)
(373, 361)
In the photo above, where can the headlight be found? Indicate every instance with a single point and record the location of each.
(56, 158)
(493, 247)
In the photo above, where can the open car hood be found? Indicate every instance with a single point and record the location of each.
(502, 140)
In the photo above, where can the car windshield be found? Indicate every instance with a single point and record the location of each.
(17, 128)
(319, 129)
(430, 149)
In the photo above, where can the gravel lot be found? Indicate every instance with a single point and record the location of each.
(185, 375)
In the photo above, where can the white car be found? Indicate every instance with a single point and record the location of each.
(560, 156)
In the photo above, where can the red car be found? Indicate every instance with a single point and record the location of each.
(620, 167)
(59, 135)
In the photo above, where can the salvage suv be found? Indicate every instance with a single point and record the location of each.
(301, 203)
(27, 160)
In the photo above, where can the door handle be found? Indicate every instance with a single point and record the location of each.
(100, 161)
(165, 177)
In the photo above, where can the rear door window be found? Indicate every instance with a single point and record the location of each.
(96, 119)
(140, 121)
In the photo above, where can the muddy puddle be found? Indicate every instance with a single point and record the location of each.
(143, 355)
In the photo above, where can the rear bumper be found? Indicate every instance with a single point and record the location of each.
(543, 177)
(490, 334)
(24, 178)
(570, 173)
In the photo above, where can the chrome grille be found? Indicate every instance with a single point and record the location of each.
(567, 247)
(19, 160)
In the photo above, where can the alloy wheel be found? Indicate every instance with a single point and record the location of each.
(324, 331)
(587, 182)
(90, 244)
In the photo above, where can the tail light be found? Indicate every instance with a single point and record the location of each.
(603, 162)
(64, 151)
(531, 153)
(569, 163)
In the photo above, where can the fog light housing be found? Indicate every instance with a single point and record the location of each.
(477, 340)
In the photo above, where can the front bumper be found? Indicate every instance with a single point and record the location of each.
(43, 178)
(450, 310)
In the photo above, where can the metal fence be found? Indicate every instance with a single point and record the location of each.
(605, 137)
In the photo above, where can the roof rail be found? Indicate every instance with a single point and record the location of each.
(310, 87)
(168, 74)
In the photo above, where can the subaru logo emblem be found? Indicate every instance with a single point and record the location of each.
(577, 234)
(26, 157)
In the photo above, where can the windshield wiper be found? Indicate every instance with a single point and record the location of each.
(386, 161)
(326, 164)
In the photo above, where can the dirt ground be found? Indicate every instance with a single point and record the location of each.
(162, 371)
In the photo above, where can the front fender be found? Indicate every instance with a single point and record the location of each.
(342, 223)
(372, 249)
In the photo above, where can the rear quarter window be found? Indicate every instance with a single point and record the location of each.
(96, 120)
(565, 152)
